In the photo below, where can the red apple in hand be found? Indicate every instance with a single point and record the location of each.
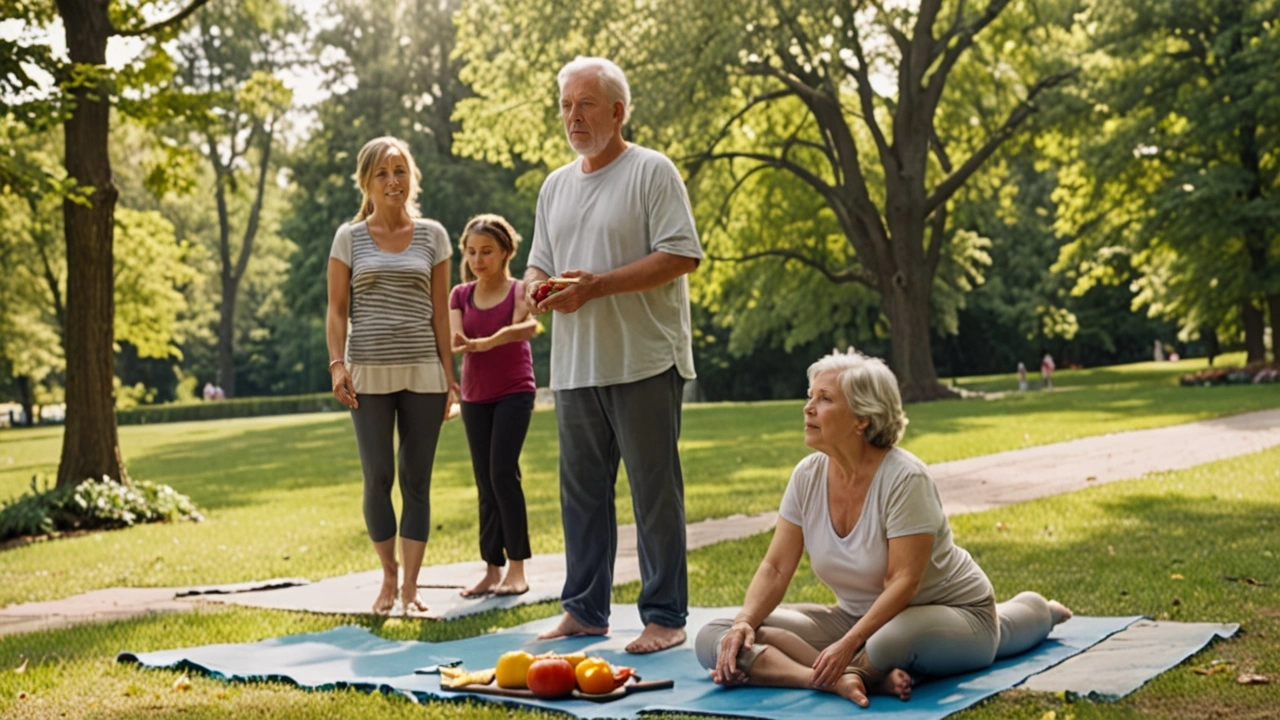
(551, 678)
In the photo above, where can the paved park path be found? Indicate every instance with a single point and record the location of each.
(970, 485)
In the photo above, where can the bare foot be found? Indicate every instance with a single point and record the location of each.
(897, 683)
(1059, 612)
(509, 589)
(484, 586)
(410, 601)
(850, 687)
(386, 597)
(656, 637)
(569, 627)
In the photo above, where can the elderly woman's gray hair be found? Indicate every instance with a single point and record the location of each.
(871, 392)
(613, 82)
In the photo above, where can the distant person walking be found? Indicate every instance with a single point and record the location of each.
(1022, 376)
(1046, 371)
(489, 314)
(388, 272)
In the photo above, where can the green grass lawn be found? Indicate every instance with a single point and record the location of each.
(282, 494)
(1159, 546)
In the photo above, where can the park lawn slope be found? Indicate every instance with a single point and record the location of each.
(1119, 549)
(281, 494)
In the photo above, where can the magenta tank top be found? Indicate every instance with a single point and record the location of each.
(502, 371)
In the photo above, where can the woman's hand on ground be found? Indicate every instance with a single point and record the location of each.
(740, 636)
(832, 663)
(343, 389)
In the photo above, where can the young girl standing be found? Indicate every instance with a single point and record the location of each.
(491, 327)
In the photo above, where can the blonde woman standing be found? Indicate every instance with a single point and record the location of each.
(388, 272)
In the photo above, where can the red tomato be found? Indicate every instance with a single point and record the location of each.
(551, 678)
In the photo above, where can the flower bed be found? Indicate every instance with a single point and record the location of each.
(1250, 375)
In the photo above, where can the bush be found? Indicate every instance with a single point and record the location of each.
(222, 409)
(92, 505)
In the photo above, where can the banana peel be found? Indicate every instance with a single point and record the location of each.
(457, 677)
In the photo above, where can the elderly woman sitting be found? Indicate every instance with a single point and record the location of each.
(909, 603)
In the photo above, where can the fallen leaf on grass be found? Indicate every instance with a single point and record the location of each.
(1245, 580)
(21, 668)
(1252, 679)
(1091, 478)
(1176, 576)
(182, 683)
(1214, 669)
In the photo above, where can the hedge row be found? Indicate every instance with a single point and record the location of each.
(221, 409)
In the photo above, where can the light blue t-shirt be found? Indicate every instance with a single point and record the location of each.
(599, 221)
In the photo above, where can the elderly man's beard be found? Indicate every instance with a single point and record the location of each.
(587, 148)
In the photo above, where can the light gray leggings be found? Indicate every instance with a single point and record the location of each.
(418, 416)
(923, 640)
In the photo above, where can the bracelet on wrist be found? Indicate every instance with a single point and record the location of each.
(335, 362)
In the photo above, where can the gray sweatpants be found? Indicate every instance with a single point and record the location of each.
(923, 640)
(418, 416)
(638, 423)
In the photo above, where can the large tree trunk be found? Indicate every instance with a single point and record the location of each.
(910, 348)
(26, 398)
(90, 446)
(1255, 349)
(226, 337)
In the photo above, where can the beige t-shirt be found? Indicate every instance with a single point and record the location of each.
(391, 341)
(902, 501)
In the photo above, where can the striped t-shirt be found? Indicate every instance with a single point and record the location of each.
(391, 345)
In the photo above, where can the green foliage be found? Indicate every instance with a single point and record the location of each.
(234, 408)
(1169, 181)
(1023, 309)
(787, 160)
(150, 266)
(92, 505)
(393, 70)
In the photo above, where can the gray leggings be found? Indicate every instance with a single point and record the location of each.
(418, 417)
(923, 640)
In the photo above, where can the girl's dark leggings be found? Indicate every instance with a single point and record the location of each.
(496, 432)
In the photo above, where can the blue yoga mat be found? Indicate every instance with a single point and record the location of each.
(352, 657)
(343, 657)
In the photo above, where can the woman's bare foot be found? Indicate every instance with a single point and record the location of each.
(386, 596)
(896, 683)
(507, 588)
(1059, 612)
(569, 627)
(410, 601)
(850, 687)
(514, 583)
(656, 637)
(491, 576)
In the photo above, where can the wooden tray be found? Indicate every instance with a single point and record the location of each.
(616, 694)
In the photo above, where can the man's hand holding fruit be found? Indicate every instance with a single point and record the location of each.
(563, 294)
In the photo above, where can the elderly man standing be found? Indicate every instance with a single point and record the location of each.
(617, 220)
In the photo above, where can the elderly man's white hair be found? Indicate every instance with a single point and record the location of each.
(612, 80)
